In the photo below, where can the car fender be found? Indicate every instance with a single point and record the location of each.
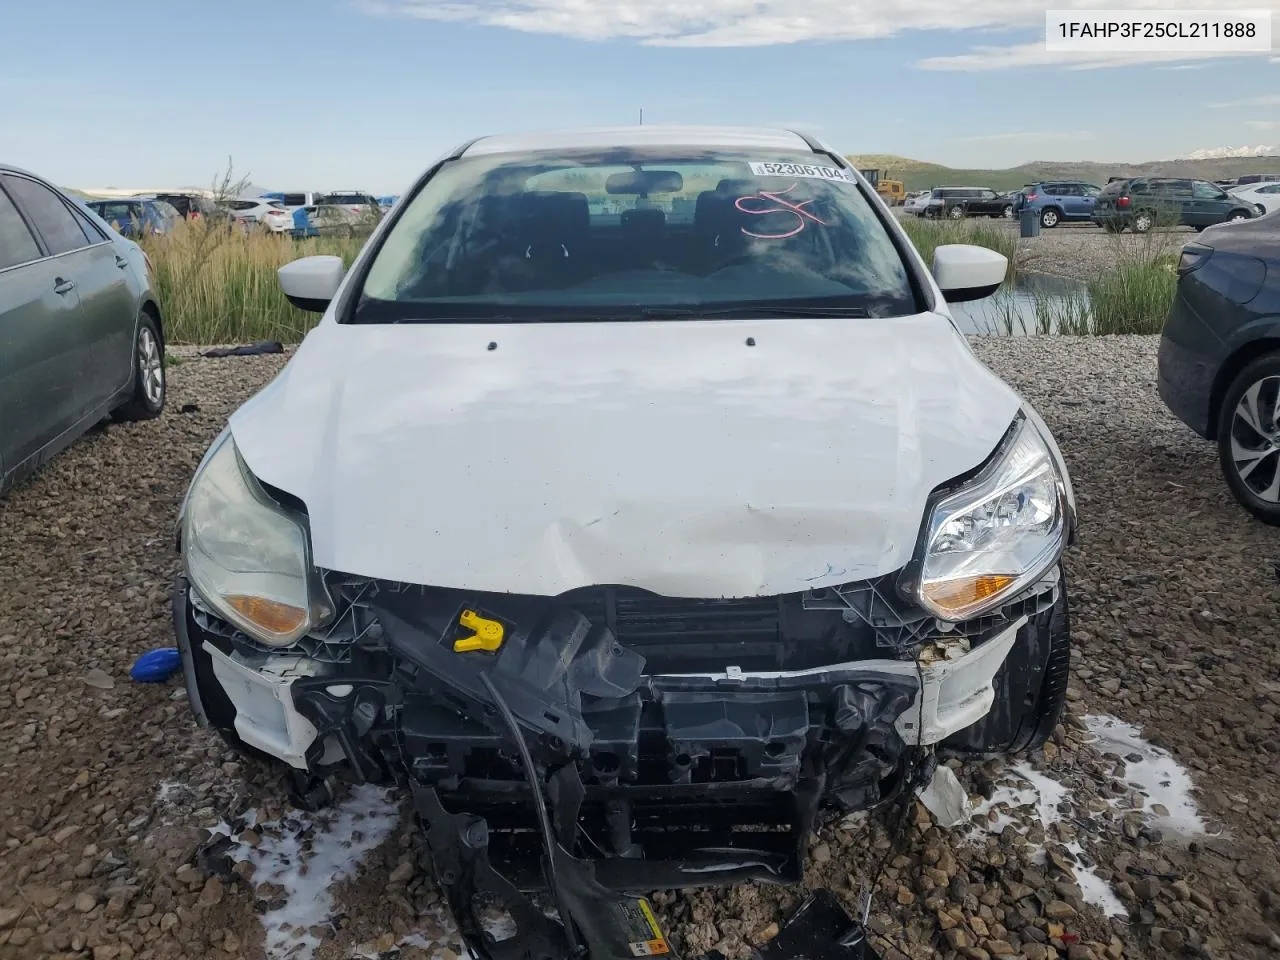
(1256, 338)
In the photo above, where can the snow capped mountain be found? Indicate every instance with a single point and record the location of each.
(1216, 153)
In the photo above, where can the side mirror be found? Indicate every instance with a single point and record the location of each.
(965, 272)
(311, 283)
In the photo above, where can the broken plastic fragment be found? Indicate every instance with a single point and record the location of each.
(946, 799)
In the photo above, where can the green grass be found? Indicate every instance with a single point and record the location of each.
(1135, 297)
(928, 235)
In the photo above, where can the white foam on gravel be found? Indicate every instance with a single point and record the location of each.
(1157, 775)
(307, 855)
(1040, 801)
(1164, 784)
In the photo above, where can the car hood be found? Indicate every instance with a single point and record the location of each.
(716, 458)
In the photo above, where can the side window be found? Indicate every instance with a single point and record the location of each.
(57, 224)
(91, 229)
(1206, 191)
(1274, 188)
(1070, 190)
(16, 243)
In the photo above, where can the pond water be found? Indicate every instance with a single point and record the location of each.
(1035, 303)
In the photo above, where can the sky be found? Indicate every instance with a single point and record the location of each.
(365, 94)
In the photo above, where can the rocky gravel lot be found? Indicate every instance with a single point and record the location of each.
(109, 788)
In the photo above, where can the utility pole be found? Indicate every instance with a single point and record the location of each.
(642, 116)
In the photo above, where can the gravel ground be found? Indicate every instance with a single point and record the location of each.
(109, 785)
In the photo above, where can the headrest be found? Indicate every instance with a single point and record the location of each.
(644, 219)
(560, 214)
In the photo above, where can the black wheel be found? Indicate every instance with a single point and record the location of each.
(1007, 211)
(1249, 438)
(1238, 215)
(1030, 686)
(1143, 221)
(147, 400)
(1049, 217)
(956, 213)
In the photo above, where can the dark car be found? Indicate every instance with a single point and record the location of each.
(1220, 356)
(1058, 201)
(192, 206)
(1145, 202)
(136, 216)
(956, 203)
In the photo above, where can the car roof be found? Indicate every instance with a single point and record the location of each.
(587, 138)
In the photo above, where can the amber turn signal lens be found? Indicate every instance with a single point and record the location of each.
(967, 592)
(270, 616)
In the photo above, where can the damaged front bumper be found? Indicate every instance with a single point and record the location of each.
(683, 743)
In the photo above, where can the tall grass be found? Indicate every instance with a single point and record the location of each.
(216, 286)
(928, 235)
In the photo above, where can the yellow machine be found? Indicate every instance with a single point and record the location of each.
(893, 191)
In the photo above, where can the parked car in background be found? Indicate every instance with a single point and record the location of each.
(82, 331)
(267, 214)
(1219, 360)
(335, 219)
(728, 656)
(387, 201)
(956, 203)
(915, 202)
(292, 200)
(363, 208)
(1265, 195)
(1144, 202)
(193, 206)
(137, 216)
(1058, 201)
(1252, 178)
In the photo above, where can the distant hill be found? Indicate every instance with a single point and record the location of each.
(921, 175)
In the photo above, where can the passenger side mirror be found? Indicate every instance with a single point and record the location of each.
(311, 283)
(965, 271)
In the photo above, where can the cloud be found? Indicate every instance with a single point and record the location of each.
(750, 23)
(1028, 136)
(1035, 55)
(1263, 124)
(1266, 100)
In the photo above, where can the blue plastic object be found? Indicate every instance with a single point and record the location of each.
(156, 666)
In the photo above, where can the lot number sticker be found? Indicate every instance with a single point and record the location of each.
(803, 170)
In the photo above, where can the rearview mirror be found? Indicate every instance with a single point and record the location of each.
(311, 283)
(965, 271)
(644, 182)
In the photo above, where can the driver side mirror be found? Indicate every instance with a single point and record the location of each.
(965, 271)
(311, 283)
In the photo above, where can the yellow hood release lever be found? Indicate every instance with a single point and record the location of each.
(488, 635)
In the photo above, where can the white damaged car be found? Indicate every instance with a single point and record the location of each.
(646, 465)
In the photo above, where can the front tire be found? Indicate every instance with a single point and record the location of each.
(1249, 438)
(957, 213)
(146, 402)
(1007, 211)
(1030, 687)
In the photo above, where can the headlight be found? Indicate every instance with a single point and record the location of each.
(245, 555)
(999, 532)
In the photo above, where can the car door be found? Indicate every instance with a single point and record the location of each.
(101, 332)
(1210, 204)
(38, 353)
(1088, 200)
(1072, 198)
